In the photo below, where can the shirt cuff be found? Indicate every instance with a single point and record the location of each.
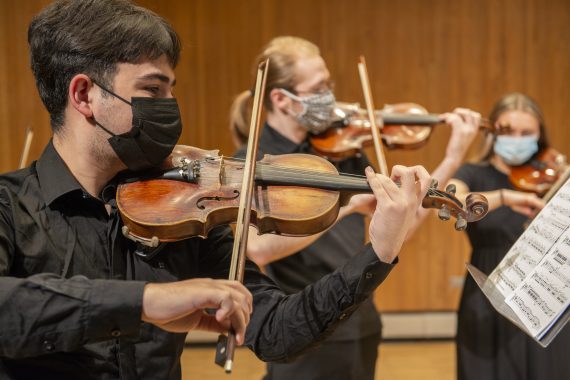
(115, 309)
(365, 272)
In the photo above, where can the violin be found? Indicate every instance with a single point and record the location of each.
(404, 126)
(540, 173)
(295, 194)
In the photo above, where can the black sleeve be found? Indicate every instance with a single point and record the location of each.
(467, 174)
(45, 313)
(284, 326)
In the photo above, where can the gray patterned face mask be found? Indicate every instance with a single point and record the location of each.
(317, 112)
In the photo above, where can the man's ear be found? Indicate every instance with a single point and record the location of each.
(80, 94)
(279, 100)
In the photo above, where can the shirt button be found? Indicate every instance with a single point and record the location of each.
(116, 333)
(48, 345)
(342, 316)
(368, 275)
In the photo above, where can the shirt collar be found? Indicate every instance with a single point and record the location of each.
(279, 144)
(54, 176)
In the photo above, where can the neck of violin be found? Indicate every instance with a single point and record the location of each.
(268, 175)
(410, 119)
(430, 119)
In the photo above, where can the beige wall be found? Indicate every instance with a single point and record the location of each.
(440, 53)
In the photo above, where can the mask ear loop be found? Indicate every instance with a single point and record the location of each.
(116, 96)
(111, 92)
(296, 98)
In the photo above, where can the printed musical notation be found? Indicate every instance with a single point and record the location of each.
(534, 276)
(545, 294)
(533, 245)
(526, 311)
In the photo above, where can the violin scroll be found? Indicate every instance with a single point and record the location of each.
(475, 208)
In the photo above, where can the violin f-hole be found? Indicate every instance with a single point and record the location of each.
(199, 202)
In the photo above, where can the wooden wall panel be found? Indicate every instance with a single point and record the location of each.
(441, 54)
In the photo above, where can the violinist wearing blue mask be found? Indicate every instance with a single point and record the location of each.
(488, 346)
(516, 150)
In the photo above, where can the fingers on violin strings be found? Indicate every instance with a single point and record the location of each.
(406, 177)
(378, 184)
(468, 116)
(423, 177)
(451, 118)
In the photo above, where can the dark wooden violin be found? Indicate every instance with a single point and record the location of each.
(540, 173)
(295, 194)
(404, 126)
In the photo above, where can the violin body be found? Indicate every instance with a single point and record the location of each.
(404, 126)
(540, 173)
(173, 210)
(295, 194)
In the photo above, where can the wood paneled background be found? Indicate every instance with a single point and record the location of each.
(438, 53)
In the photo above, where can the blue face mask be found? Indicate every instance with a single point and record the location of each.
(516, 150)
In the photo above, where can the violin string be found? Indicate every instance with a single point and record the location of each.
(298, 170)
(292, 174)
(305, 175)
(431, 192)
(333, 181)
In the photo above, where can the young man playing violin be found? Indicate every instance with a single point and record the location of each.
(77, 300)
(299, 101)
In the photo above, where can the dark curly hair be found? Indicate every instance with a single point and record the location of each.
(91, 36)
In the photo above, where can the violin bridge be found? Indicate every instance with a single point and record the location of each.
(222, 172)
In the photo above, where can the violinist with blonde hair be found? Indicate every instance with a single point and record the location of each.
(299, 101)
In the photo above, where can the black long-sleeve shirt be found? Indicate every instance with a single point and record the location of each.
(332, 250)
(71, 287)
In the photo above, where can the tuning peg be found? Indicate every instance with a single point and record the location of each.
(450, 189)
(433, 184)
(460, 224)
(444, 213)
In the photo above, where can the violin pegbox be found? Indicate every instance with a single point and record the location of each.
(476, 206)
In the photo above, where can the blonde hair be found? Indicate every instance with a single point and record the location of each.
(514, 102)
(283, 52)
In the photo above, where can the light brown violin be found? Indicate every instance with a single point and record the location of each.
(295, 194)
(540, 173)
(404, 126)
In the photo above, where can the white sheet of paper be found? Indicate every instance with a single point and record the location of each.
(545, 294)
(534, 243)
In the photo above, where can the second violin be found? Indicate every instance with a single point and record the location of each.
(405, 126)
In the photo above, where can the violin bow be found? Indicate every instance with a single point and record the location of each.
(226, 344)
(376, 137)
(26, 150)
(442, 200)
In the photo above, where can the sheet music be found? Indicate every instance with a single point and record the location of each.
(545, 294)
(531, 248)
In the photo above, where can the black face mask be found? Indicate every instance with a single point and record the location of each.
(156, 130)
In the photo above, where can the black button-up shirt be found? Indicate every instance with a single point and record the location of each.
(71, 287)
(330, 251)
